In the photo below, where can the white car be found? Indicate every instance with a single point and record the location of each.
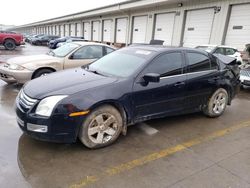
(74, 54)
(221, 49)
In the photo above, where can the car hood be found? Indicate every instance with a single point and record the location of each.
(31, 59)
(65, 83)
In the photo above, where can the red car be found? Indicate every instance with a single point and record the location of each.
(10, 40)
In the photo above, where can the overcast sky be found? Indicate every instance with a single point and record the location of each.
(19, 12)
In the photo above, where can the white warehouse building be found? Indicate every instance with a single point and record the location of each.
(178, 22)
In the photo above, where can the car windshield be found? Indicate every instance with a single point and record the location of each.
(118, 64)
(64, 50)
(206, 48)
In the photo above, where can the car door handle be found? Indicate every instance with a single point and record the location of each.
(179, 84)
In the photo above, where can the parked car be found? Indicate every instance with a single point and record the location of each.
(246, 54)
(53, 43)
(43, 40)
(30, 37)
(245, 76)
(24, 68)
(96, 103)
(224, 50)
(10, 40)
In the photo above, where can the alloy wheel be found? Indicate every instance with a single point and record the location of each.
(102, 128)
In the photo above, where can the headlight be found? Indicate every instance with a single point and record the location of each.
(46, 106)
(15, 67)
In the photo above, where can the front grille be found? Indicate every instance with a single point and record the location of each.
(245, 72)
(3, 75)
(26, 101)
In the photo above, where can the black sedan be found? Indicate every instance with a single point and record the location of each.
(53, 43)
(43, 40)
(96, 103)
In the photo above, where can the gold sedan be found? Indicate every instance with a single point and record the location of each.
(75, 54)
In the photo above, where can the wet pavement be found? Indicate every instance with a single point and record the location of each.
(169, 156)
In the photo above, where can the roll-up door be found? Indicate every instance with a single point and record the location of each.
(73, 29)
(78, 30)
(164, 27)
(107, 28)
(61, 30)
(198, 27)
(86, 29)
(96, 31)
(139, 29)
(238, 32)
(121, 30)
(66, 30)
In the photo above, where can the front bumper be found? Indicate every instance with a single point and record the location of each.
(12, 76)
(245, 80)
(59, 128)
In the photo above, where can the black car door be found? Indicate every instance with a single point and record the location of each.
(202, 78)
(163, 97)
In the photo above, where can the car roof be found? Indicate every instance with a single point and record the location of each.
(83, 43)
(214, 45)
(162, 48)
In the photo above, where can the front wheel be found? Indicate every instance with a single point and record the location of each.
(217, 103)
(101, 128)
(9, 44)
(41, 72)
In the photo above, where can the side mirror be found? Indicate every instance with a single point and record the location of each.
(152, 77)
(71, 56)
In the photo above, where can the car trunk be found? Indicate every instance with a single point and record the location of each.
(230, 63)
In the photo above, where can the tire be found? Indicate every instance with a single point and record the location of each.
(10, 44)
(42, 72)
(216, 104)
(91, 129)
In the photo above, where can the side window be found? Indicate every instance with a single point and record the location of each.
(88, 52)
(166, 65)
(219, 51)
(197, 62)
(230, 51)
(109, 50)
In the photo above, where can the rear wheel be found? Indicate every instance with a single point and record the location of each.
(9, 44)
(101, 128)
(42, 72)
(217, 103)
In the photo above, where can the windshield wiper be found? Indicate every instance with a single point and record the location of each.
(93, 71)
(51, 53)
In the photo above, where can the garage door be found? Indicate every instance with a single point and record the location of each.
(86, 29)
(78, 29)
(49, 30)
(198, 27)
(238, 33)
(66, 30)
(57, 30)
(107, 28)
(61, 30)
(164, 27)
(139, 29)
(96, 31)
(73, 29)
(121, 30)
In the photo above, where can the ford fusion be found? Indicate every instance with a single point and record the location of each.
(96, 103)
